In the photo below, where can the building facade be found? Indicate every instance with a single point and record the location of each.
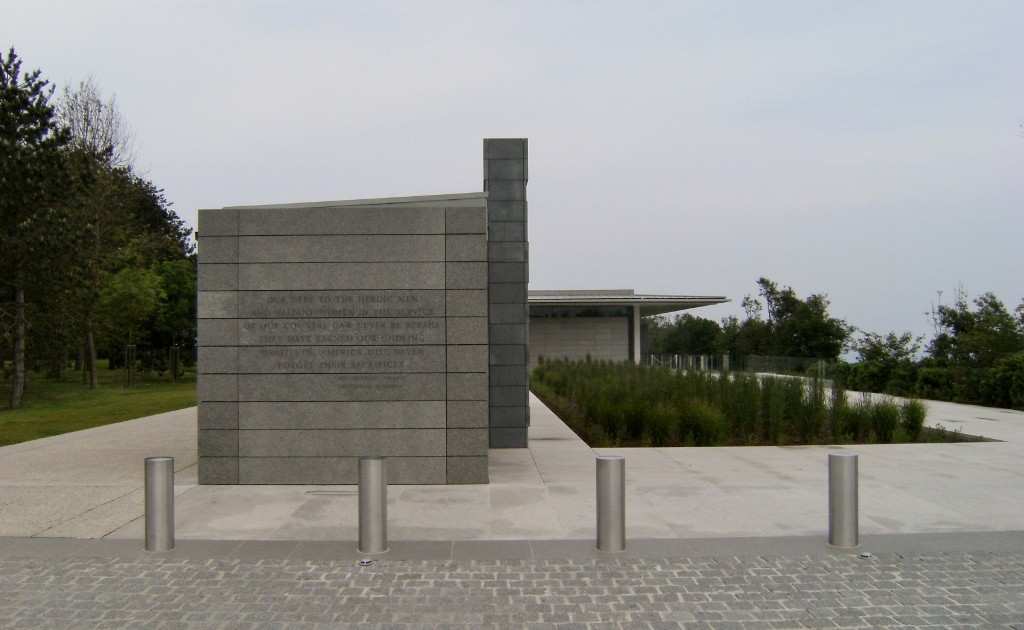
(599, 325)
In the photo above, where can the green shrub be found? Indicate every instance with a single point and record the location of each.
(912, 417)
(612, 404)
(776, 417)
(885, 417)
(856, 422)
(934, 383)
(1004, 383)
(836, 414)
(661, 426)
(700, 423)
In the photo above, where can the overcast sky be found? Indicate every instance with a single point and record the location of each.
(872, 151)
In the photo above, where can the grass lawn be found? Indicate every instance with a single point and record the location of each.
(52, 408)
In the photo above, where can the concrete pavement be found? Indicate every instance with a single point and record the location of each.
(717, 539)
(89, 485)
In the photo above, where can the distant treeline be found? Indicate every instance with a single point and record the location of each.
(976, 355)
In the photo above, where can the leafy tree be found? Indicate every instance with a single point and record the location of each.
(978, 338)
(684, 334)
(1005, 382)
(656, 329)
(174, 322)
(885, 364)
(103, 140)
(130, 298)
(972, 358)
(96, 124)
(750, 337)
(794, 327)
(34, 179)
(127, 219)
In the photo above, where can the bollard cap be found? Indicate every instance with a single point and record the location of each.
(610, 458)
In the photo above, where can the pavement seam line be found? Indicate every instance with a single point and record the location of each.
(40, 534)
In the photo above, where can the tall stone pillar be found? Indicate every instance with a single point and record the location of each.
(505, 177)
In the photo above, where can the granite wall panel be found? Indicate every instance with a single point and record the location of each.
(217, 277)
(300, 219)
(318, 276)
(466, 303)
(328, 333)
(337, 470)
(341, 415)
(467, 330)
(218, 415)
(499, 211)
(466, 470)
(341, 248)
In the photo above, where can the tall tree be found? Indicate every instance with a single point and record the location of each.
(129, 298)
(752, 336)
(34, 178)
(103, 141)
(885, 363)
(978, 338)
(973, 357)
(96, 124)
(684, 334)
(175, 319)
(126, 219)
(795, 327)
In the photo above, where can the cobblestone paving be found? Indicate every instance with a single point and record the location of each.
(830, 591)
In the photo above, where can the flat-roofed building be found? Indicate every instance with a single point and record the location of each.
(603, 325)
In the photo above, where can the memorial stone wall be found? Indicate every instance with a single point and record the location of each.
(329, 332)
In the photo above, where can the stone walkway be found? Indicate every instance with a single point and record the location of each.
(946, 590)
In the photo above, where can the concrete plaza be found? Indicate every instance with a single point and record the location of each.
(88, 485)
(717, 538)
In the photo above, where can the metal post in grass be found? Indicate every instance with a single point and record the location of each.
(842, 500)
(373, 505)
(159, 503)
(129, 365)
(611, 503)
(175, 361)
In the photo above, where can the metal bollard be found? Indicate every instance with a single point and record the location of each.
(842, 500)
(373, 505)
(159, 503)
(611, 503)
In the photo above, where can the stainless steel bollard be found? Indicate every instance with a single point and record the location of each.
(842, 500)
(373, 505)
(159, 503)
(611, 503)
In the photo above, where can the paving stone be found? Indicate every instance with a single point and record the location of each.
(977, 590)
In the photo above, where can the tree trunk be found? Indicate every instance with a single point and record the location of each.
(90, 355)
(18, 376)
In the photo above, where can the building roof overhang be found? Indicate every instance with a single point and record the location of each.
(648, 304)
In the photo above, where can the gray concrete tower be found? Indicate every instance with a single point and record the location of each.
(505, 177)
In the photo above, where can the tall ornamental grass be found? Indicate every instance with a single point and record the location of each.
(616, 404)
